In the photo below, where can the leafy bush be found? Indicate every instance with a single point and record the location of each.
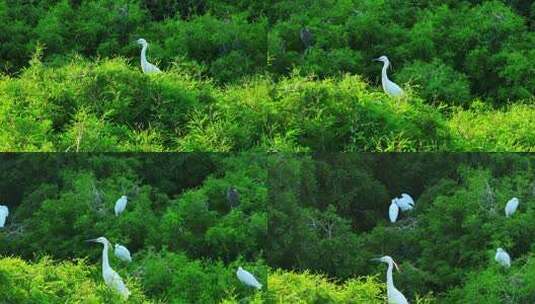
(438, 82)
(185, 239)
(174, 278)
(83, 106)
(329, 214)
(109, 106)
(230, 48)
(107, 28)
(48, 282)
(333, 114)
(233, 39)
(494, 285)
(481, 129)
(478, 45)
(291, 287)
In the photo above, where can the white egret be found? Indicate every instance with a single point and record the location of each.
(147, 67)
(511, 206)
(120, 205)
(247, 278)
(393, 211)
(4, 212)
(122, 253)
(503, 258)
(405, 202)
(389, 87)
(112, 279)
(394, 296)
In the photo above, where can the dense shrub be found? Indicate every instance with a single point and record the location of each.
(493, 285)
(485, 47)
(174, 278)
(65, 282)
(329, 214)
(333, 114)
(437, 82)
(186, 240)
(476, 44)
(109, 106)
(230, 48)
(167, 278)
(482, 129)
(291, 287)
(107, 28)
(323, 209)
(83, 106)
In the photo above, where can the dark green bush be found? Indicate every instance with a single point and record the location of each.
(177, 279)
(185, 239)
(493, 285)
(437, 82)
(329, 214)
(489, 42)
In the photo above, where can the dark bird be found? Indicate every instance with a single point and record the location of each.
(233, 197)
(306, 37)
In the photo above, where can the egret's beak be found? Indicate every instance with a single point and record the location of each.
(92, 240)
(376, 260)
(376, 59)
(396, 265)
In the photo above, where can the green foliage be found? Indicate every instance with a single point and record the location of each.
(110, 106)
(186, 240)
(325, 213)
(329, 115)
(483, 46)
(107, 28)
(83, 106)
(65, 282)
(291, 287)
(481, 129)
(174, 278)
(328, 214)
(238, 76)
(493, 285)
(438, 82)
(82, 210)
(230, 48)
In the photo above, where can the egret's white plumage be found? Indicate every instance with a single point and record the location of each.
(394, 296)
(503, 258)
(247, 278)
(147, 67)
(112, 279)
(120, 205)
(122, 253)
(389, 87)
(393, 211)
(405, 202)
(511, 206)
(4, 212)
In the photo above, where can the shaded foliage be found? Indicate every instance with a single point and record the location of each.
(186, 240)
(329, 214)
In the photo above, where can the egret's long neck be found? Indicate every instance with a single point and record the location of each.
(384, 77)
(105, 262)
(389, 279)
(144, 54)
